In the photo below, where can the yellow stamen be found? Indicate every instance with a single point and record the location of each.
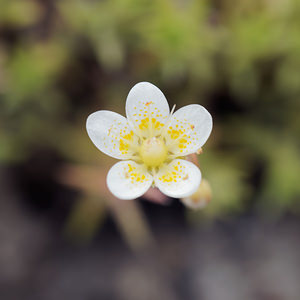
(153, 152)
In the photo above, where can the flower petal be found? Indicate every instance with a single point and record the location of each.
(189, 129)
(111, 133)
(147, 109)
(128, 180)
(179, 179)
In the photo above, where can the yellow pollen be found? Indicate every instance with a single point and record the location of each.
(123, 147)
(186, 177)
(153, 152)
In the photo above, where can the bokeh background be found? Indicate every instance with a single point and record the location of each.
(63, 236)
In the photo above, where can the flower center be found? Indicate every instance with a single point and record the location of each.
(153, 152)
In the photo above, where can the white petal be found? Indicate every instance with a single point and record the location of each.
(147, 109)
(189, 129)
(179, 179)
(128, 180)
(111, 133)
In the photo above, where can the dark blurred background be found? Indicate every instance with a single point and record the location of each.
(62, 235)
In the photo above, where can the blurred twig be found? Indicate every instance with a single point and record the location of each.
(127, 214)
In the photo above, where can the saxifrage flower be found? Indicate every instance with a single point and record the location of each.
(152, 144)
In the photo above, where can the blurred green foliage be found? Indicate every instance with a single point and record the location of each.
(61, 60)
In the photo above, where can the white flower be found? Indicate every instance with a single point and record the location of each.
(152, 144)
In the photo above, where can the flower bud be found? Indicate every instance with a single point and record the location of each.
(200, 198)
